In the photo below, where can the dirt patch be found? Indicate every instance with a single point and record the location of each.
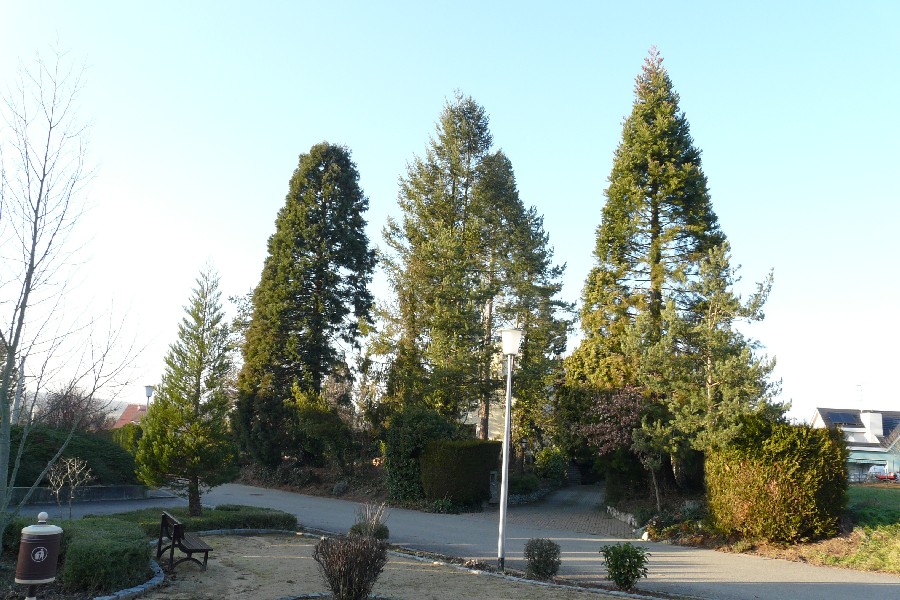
(270, 567)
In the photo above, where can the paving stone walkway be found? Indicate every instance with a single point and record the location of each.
(577, 508)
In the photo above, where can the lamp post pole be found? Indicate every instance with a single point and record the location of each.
(511, 339)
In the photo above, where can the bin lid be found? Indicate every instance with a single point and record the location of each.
(42, 527)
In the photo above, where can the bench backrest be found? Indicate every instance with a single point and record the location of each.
(171, 527)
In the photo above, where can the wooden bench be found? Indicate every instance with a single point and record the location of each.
(171, 530)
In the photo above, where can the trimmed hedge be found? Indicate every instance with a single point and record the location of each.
(408, 432)
(778, 482)
(104, 555)
(459, 470)
(224, 516)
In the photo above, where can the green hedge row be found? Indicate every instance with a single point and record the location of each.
(459, 470)
(407, 434)
(224, 516)
(778, 482)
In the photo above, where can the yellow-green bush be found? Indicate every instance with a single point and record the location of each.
(778, 482)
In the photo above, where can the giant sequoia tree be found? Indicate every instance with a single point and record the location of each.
(657, 225)
(312, 296)
(659, 308)
(467, 258)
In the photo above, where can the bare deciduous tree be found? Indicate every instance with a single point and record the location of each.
(71, 474)
(43, 172)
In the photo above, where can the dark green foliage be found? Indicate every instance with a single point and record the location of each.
(407, 434)
(523, 484)
(542, 558)
(128, 437)
(625, 564)
(379, 531)
(322, 438)
(186, 442)
(550, 463)
(109, 462)
(778, 482)
(459, 470)
(311, 299)
(350, 565)
(102, 555)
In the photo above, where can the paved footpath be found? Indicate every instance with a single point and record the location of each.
(571, 518)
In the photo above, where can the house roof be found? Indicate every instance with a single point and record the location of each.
(133, 413)
(850, 417)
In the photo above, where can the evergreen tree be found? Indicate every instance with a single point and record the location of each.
(186, 442)
(656, 226)
(659, 309)
(468, 258)
(310, 301)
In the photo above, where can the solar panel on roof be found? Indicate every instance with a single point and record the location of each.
(845, 418)
(889, 423)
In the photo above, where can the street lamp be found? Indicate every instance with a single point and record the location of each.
(511, 338)
(148, 389)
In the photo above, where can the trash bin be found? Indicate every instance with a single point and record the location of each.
(38, 552)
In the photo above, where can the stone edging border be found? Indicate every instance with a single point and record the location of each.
(159, 576)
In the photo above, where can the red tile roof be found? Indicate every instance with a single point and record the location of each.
(133, 413)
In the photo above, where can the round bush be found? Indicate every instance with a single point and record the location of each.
(542, 558)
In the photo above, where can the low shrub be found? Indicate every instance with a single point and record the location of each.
(350, 565)
(103, 555)
(549, 463)
(524, 484)
(542, 558)
(625, 564)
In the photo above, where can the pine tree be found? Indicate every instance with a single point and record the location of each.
(468, 258)
(708, 373)
(186, 442)
(311, 299)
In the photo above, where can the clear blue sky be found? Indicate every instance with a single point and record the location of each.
(199, 111)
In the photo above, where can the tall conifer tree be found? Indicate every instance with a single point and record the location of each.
(186, 442)
(659, 308)
(312, 296)
(657, 224)
(468, 258)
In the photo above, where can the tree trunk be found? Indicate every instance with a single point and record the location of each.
(194, 507)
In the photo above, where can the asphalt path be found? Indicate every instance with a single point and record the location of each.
(570, 518)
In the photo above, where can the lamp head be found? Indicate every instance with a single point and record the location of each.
(511, 338)
(149, 390)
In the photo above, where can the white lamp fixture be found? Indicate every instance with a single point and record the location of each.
(148, 389)
(511, 339)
